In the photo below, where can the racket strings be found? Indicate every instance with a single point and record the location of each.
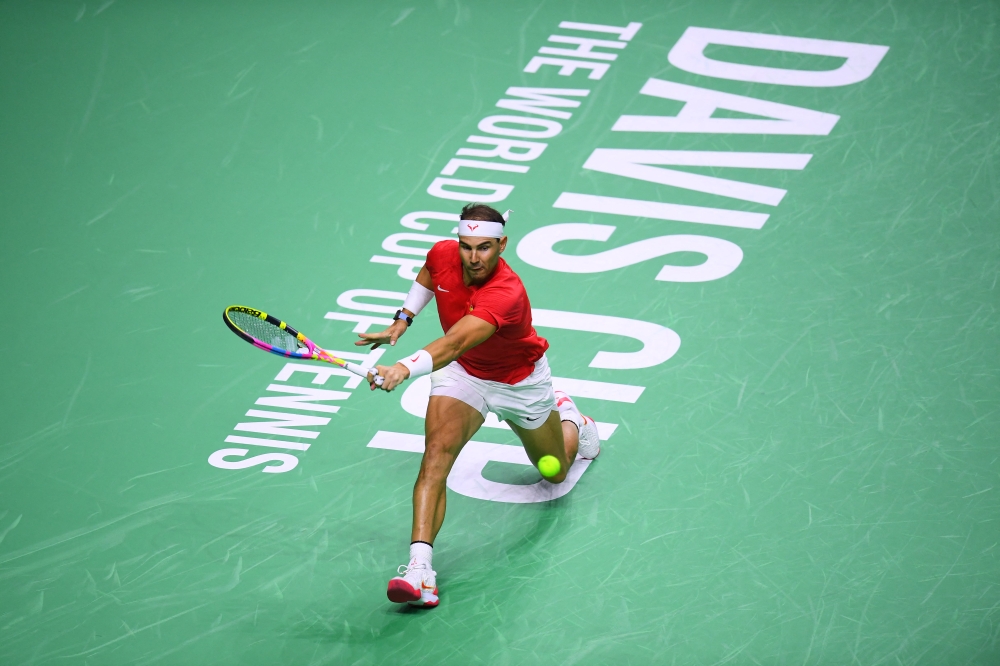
(265, 331)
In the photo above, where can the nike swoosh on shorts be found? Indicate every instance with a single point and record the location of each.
(444, 290)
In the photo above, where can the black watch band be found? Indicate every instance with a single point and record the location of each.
(402, 315)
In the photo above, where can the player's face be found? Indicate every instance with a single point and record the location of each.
(480, 256)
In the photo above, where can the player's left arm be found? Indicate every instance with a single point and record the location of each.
(467, 332)
(421, 293)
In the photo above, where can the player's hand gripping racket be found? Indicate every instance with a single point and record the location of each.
(273, 335)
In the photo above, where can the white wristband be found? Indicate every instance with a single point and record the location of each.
(418, 297)
(418, 364)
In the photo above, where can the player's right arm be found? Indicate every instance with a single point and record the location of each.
(398, 327)
(467, 332)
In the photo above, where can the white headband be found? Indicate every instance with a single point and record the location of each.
(482, 229)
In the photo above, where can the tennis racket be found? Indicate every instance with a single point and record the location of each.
(273, 335)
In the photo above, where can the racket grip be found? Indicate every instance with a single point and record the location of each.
(364, 372)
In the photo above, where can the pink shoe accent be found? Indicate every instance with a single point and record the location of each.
(562, 398)
(400, 591)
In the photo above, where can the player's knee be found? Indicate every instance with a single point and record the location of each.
(558, 478)
(434, 466)
(436, 463)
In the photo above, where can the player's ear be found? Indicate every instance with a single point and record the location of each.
(503, 244)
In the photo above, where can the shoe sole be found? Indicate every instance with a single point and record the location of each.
(427, 600)
(401, 592)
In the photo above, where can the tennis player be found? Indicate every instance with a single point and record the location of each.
(489, 360)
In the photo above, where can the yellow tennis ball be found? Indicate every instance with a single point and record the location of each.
(549, 466)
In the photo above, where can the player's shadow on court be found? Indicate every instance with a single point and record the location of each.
(367, 624)
(463, 571)
(504, 552)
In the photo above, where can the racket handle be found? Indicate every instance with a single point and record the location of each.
(364, 372)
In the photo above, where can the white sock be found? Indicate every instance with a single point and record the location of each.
(421, 553)
(568, 411)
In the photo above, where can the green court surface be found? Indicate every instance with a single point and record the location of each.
(783, 312)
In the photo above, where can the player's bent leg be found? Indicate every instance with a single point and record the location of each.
(450, 424)
(549, 439)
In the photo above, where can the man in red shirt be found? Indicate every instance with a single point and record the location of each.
(489, 360)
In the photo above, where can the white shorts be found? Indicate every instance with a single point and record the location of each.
(526, 403)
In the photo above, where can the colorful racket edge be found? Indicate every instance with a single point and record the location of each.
(258, 328)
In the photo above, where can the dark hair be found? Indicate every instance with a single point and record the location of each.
(482, 212)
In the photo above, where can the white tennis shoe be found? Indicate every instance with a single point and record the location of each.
(416, 585)
(590, 439)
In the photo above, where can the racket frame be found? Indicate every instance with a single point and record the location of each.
(309, 352)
